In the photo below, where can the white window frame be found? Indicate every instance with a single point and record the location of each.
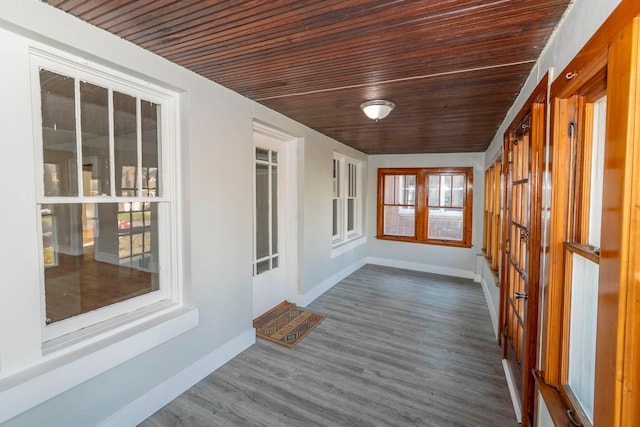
(345, 189)
(169, 296)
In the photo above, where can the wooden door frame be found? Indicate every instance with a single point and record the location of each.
(617, 389)
(537, 106)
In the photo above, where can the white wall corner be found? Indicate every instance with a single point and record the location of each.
(477, 275)
(492, 309)
(164, 393)
(426, 268)
(512, 391)
(328, 283)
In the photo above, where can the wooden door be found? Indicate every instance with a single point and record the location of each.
(516, 286)
(521, 256)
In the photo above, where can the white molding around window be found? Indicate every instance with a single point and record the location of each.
(347, 199)
(36, 357)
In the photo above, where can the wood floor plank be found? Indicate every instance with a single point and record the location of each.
(398, 348)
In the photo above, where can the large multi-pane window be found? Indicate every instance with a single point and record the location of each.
(105, 214)
(426, 205)
(346, 198)
(492, 214)
(582, 266)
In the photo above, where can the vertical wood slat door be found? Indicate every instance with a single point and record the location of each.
(515, 284)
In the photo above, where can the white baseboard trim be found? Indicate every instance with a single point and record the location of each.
(427, 268)
(164, 393)
(60, 371)
(492, 309)
(512, 391)
(328, 283)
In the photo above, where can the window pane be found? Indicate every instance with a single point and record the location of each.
(262, 154)
(353, 172)
(150, 148)
(434, 190)
(457, 193)
(59, 134)
(91, 261)
(335, 217)
(94, 117)
(408, 193)
(351, 214)
(597, 171)
(399, 221)
(445, 224)
(126, 143)
(336, 178)
(445, 190)
(389, 189)
(274, 210)
(262, 266)
(582, 333)
(262, 211)
(400, 189)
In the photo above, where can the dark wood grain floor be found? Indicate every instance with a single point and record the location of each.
(398, 348)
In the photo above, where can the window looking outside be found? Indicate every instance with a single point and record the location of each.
(582, 265)
(427, 205)
(346, 208)
(103, 214)
(336, 200)
(266, 254)
(492, 215)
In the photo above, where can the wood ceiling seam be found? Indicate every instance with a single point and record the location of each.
(399, 80)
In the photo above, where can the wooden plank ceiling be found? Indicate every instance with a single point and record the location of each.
(453, 67)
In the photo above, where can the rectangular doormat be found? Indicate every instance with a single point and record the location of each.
(286, 324)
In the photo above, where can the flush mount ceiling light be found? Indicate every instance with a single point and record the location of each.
(377, 109)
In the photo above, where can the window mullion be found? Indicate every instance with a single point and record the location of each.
(421, 202)
(139, 147)
(78, 114)
(270, 208)
(112, 151)
(344, 197)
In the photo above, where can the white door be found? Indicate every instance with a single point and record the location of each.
(269, 276)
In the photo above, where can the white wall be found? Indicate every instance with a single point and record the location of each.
(460, 262)
(216, 128)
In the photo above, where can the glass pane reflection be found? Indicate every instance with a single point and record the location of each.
(93, 258)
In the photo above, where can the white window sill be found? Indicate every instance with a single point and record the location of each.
(348, 245)
(60, 371)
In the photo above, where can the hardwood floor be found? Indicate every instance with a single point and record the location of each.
(398, 348)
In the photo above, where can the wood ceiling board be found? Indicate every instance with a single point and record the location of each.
(313, 61)
(458, 113)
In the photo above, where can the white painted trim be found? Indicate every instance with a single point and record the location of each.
(328, 283)
(288, 146)
(33, 386)
(164, 393)
(512, 391)
(348, 246)
(492, 309)
(427, 268)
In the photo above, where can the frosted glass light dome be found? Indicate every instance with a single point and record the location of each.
(377, 109)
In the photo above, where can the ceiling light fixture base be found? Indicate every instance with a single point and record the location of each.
(377, 109)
